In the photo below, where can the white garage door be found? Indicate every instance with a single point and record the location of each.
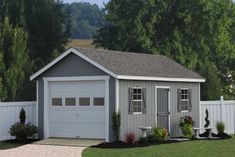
(77, 109)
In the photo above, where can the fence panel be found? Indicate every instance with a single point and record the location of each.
(9, 114)
(219, 111)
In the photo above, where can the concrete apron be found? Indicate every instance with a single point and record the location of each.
(69, 142)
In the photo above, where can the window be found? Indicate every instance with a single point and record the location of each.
(56, 101)
(137, 100)
(70, 101)
(98, 101)
(84, 101)
(184, 102)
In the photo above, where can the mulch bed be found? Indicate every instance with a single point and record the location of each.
(120, 144)
(25, 142)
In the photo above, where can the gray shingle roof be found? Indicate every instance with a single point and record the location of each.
(138, 64)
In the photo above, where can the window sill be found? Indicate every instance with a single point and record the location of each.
(137, 113)
(185, 111)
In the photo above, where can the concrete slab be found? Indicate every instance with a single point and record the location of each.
(69, 142)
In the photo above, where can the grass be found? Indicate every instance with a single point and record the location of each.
(197, 148)
(86, 43)
(9, 144)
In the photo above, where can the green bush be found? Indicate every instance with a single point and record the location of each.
(116, 118)
(160, 133)
(151, 138)
(186, 125)
(143, 140)
(23, 131)
(220, 126)
(187, 130)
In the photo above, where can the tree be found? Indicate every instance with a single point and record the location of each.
(14, 61)
(190, 32)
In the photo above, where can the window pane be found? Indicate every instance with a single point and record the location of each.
(139, 97)
(135, 91)
(70, 101)
(184, 105)
(139, 91)
(136, 106)
(98, 101)
(56, 101)
(84, 101)
(135, 97)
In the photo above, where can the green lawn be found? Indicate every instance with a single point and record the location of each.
(8, 145)
(202, 148)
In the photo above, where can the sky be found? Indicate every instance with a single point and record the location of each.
(98, 2)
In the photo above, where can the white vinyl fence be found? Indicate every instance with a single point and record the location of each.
(219, 111)
(9, 114)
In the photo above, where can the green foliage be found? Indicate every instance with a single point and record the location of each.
(198, 34)
(32, 33)
(14, 61)
(186, 125)
(116, 119)
(160, 133)
(220, 126)
(206, 119)
(151, 138)
(23, 131)
(22, 116)
(187, 130)
(85, 19)
(143, 140)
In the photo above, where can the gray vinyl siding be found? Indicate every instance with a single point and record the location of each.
(130, 123)
(72, 65)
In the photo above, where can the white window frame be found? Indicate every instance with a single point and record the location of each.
(184, 100)
(141, 98)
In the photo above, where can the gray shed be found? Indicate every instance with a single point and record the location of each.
(79, 90)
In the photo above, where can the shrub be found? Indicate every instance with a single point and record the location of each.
(151, 138)
(186, 125)
(220, 126)
(143, 140)
(160, 133)
(23, 131)
(116, 118)
(22, 116)
(187, 130)
(130, 138)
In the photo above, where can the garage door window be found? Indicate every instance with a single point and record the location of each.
(84, 101)
(56, 101)
(98, 101)
(70, 101)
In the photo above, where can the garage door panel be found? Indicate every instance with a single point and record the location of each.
(77, 121)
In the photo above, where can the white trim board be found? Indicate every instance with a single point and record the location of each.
(46, 81)
(125, 77)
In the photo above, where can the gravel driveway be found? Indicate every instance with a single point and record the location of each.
(34, 150)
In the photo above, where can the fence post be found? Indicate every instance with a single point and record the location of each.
(222, 108)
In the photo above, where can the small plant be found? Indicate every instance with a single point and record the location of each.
(21, 130)
(220, 127)
(151, 138)
(143, 140)
(130, 138)
(116, 117)
(160, 134)
(186, 125)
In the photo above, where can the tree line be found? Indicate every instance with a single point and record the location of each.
(32, 33)
(199, 34)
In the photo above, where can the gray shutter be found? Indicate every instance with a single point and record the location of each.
(178, 100)
(190, 99)
(130, 101)
(143, 105)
